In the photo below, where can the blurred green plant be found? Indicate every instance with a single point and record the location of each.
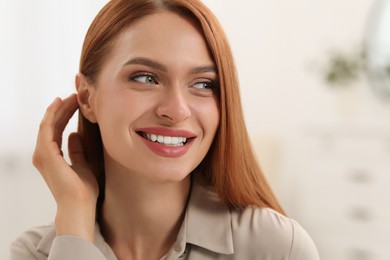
(342, 69)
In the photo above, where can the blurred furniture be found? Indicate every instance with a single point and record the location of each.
(344, 203)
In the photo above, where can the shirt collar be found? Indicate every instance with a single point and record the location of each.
(45, 244)
(208, 221)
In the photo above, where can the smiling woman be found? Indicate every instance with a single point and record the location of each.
(162, 155)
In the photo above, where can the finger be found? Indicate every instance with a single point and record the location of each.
(49, 116)
(68, 106)
(49, 137)
(79, 163)
(57, 116)
(62, 117)
(76, 151)
(46, 131)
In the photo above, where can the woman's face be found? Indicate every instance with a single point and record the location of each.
(155, 99)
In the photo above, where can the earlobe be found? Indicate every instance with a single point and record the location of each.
(85, 94)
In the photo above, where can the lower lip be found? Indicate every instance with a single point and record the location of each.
(167, 151)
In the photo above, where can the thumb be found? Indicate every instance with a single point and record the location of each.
(76, 151)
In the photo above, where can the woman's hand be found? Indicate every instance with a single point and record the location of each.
(74, 188)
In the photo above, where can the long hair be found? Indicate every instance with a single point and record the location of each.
(230, 164)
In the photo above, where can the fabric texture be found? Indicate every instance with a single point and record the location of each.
(210, 230)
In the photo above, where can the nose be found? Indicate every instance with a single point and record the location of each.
(174, 105)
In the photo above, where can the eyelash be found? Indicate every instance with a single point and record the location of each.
(147, 75)
(208, 85)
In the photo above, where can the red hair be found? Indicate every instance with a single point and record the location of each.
(230, 164)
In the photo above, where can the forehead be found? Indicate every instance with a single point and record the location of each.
(164, 35)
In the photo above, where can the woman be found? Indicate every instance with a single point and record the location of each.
(162, 167)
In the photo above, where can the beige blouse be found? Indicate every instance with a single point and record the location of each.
(210, 230)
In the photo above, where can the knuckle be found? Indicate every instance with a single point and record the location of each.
(37, 160)
(40, 157)
(43, 124)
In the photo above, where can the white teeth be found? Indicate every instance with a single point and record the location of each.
(175, 140)
(167, 140)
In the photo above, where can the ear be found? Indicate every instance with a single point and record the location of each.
(85, 95)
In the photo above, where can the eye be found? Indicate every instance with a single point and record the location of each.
(148, 79)
(205, 85)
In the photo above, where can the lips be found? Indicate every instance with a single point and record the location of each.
(166, 142)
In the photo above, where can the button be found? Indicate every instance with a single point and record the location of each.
(182, 255)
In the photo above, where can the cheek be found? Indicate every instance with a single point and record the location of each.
(113, 121)
(119, 106)
(211, 118)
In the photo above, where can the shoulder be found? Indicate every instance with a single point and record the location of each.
(33, 244)
(40, 242)
(265, 231)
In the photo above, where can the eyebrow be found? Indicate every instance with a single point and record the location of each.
(146, 62)
(203, 69)
(158, 66)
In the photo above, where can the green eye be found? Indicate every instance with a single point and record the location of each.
(145, 79)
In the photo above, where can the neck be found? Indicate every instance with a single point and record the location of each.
(141, 218)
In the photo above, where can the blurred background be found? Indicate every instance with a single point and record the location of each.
(316, 94)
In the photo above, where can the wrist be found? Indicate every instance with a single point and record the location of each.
(76, 221)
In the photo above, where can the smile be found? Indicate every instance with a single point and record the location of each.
(166, 140)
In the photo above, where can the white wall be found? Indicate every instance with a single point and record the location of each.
(279, 47)
(40, 47)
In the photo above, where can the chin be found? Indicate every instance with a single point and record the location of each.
(170, 175)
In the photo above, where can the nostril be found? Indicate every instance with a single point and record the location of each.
(174, 110)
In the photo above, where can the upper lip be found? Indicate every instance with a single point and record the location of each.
(166, 132)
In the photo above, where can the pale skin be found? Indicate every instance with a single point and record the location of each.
(159, 80)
